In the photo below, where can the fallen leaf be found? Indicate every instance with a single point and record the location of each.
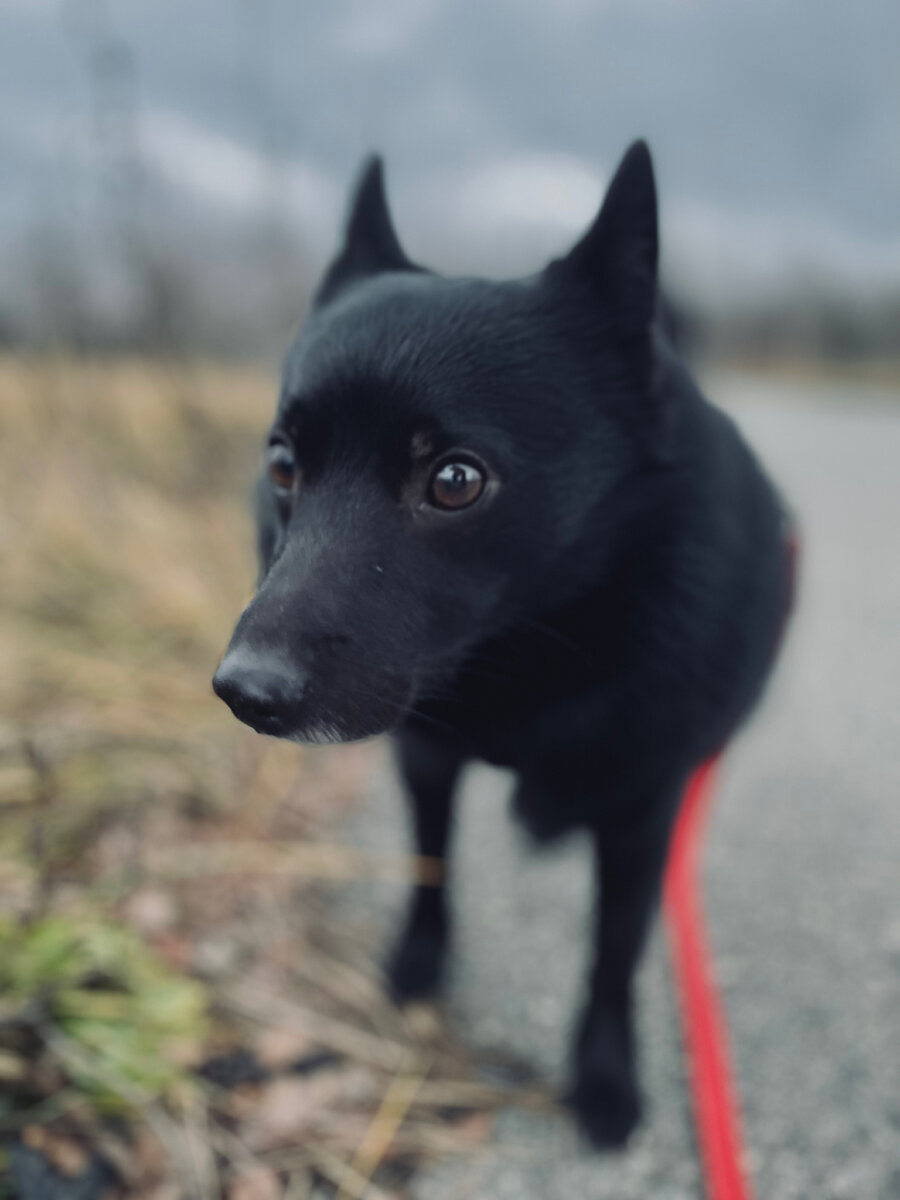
(288, 1108)
(258, 1183)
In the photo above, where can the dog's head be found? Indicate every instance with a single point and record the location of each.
(446, 458)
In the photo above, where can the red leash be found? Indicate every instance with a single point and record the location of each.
(716, 1109)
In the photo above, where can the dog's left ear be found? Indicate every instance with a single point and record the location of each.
(370, 243)
(618, 255)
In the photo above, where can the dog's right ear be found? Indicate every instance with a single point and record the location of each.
(370, 243)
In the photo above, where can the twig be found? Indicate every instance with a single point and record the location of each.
(264, 1008)
(339, 1172)
(348, 985)
(395, 1104)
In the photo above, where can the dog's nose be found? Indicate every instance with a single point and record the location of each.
(259, 689)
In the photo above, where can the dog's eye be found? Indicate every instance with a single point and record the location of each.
(282, 466)
(456, 485)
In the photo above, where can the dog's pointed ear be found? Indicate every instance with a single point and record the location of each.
(618, 256)
(370, 243)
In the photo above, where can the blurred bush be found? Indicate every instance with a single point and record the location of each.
(123, 1023)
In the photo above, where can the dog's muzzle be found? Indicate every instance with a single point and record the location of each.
(260, 691)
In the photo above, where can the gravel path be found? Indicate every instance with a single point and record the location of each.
(802, 876)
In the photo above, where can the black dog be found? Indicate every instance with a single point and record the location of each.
(500, 520)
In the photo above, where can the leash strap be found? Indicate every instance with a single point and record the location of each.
(716, 1109)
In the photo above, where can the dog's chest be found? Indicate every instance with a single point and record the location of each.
(507, 684)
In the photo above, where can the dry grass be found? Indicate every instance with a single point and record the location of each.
(129, 796)
(126, 554)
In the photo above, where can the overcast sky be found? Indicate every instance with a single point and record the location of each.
(775, 123)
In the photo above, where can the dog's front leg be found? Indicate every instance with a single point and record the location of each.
(630, 863)
(430, 767)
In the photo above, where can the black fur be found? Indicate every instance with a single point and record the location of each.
(600, 619)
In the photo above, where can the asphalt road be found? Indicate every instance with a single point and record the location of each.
(802, 876)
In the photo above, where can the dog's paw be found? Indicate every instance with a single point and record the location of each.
(414, 969)
(607, 1110)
